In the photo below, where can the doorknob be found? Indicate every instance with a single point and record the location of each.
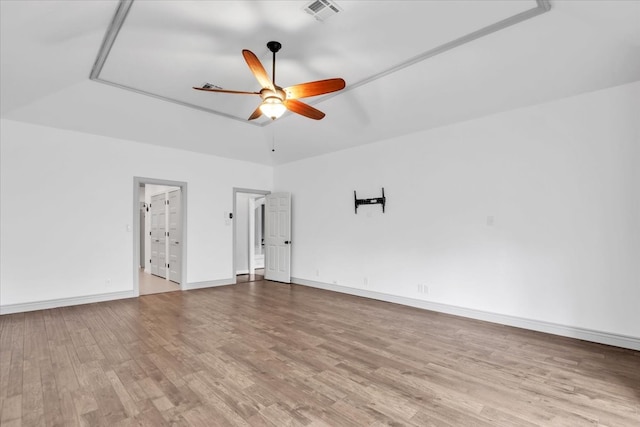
(287, 242)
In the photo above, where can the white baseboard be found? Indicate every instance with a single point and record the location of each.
(209, 284)
(63, 302)
(88, 299)
(623, 341)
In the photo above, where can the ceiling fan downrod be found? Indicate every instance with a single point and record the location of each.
(274, 47)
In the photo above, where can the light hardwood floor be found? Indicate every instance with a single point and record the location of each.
(256, 276)
(266, 354)
(150, 284)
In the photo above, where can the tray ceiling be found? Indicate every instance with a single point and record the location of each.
(162, 49)
(410, 66)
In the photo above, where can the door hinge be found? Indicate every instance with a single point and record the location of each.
(149, 233)
(167, 265)
(166, 233)
(149, 261)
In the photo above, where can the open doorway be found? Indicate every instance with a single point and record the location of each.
(248, 234)
(160, 235)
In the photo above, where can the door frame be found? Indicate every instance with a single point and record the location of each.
(137, 181)
(171, 236)
(237, 190)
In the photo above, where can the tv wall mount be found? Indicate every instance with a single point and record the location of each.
(373, 201)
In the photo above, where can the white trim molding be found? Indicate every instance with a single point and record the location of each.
(64, 302)
(182, 185)
(234, 231)
(209, 284)
(600, 337)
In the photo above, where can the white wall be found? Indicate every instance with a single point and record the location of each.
(559, 181)
(63, 192)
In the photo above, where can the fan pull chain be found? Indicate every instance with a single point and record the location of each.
(273, 141)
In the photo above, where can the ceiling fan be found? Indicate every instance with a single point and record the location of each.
(275, 99)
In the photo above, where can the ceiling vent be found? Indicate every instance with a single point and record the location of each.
(322, 9)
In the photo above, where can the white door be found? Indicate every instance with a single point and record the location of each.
(158, 236)
(175, 236)
(278, 237)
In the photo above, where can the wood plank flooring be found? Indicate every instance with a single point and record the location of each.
(267, 354)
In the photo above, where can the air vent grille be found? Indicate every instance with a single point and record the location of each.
(322, 9)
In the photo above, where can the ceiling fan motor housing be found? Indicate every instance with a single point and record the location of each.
(278, 93)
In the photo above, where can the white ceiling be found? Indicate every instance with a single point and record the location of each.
(48, 49)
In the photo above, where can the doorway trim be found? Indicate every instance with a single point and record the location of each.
(237, 190)
(137, 181)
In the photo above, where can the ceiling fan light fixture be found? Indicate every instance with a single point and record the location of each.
(276, 100)
(272, 107)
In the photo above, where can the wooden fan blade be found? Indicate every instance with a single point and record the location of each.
(319, 87)
(303, 109)
(226, 91)
(257, 69)
(257, 113)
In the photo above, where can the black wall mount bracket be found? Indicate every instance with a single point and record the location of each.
(373, 201)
